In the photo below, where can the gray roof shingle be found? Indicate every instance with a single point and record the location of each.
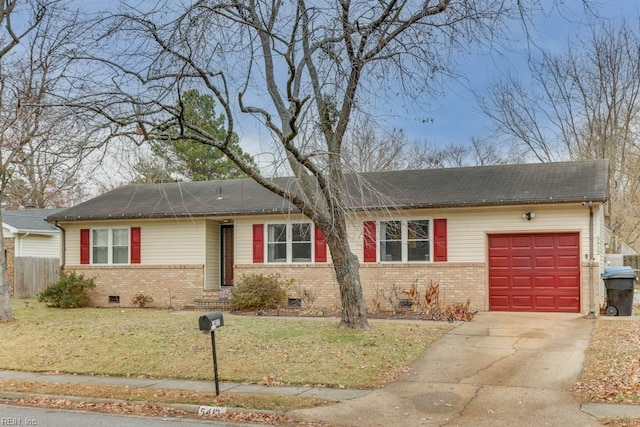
(29, 219)
(561, 182)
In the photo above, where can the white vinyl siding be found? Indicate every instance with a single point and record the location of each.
(243, 229)
(467, 229)
(173, 243)
(164, 242)
(38, 245)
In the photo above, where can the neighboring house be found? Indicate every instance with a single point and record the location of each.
(614, 260)
(28, 235)
(515, 237)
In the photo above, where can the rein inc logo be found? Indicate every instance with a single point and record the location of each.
(17, 421)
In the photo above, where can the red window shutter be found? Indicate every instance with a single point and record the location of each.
(258, 243)
(85, 246)
(440, 240)
(369, 241)
(320, 246)
(135, 245)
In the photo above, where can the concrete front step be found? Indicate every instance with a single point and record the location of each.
(212, 300)
(209, 305)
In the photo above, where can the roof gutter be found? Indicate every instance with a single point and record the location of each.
(400, 206)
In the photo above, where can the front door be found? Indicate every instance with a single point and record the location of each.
(226, 254)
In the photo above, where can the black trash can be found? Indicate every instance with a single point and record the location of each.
(619, 283)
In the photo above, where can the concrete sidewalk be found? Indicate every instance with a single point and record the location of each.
(500, 369)
(173, 384)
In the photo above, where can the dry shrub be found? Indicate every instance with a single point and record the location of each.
(429, 305)
(307, 297)
(141, 300)
(383, 299)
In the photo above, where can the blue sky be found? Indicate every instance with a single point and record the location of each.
(455, 117)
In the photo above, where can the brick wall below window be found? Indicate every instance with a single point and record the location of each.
(458, 281)
(169, 286)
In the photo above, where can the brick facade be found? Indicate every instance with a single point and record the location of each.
(169, 285)
(457, 281)
(179, 285)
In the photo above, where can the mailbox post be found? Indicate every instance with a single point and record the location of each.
(208, 323)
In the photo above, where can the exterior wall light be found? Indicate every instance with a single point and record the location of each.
(528, 216)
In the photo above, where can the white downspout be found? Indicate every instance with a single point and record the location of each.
(63, 246)
(592, 312)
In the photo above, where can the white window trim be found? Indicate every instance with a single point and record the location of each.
(289, 241)
(110, 245)
(404, 243)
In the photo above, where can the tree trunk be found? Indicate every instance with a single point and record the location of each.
(347, 269)
(6, 315)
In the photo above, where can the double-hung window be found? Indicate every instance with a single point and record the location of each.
(390, 240)
(289, 242)
(110, 245)
(405, 240)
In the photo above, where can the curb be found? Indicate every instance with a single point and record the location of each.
(611, 410)
(192, 409)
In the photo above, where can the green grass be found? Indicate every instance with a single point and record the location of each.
(161, 343)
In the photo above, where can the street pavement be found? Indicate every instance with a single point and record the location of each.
(26, 416)
(499, 369)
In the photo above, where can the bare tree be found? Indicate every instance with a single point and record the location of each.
(10, 36)
(296, 68)
(582, 104)
(479, 152)
(132, 165)
(366, 148)
(41, 146)
(369, 148)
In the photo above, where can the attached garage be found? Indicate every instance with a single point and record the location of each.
(534, 272)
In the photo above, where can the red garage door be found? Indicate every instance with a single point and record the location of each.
(534, 272)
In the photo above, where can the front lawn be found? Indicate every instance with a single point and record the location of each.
(167, 344)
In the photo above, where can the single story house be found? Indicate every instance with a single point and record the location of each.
(28, 235)
(525, 237)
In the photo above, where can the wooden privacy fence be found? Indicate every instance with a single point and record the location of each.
(32, 275)
(633, 261)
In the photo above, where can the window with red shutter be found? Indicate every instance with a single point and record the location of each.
(439, 240)
(369, 247)
(258, 243)
(135, 245)
(320, 244)
(85, 248)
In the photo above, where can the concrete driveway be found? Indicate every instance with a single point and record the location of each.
(500, 369)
